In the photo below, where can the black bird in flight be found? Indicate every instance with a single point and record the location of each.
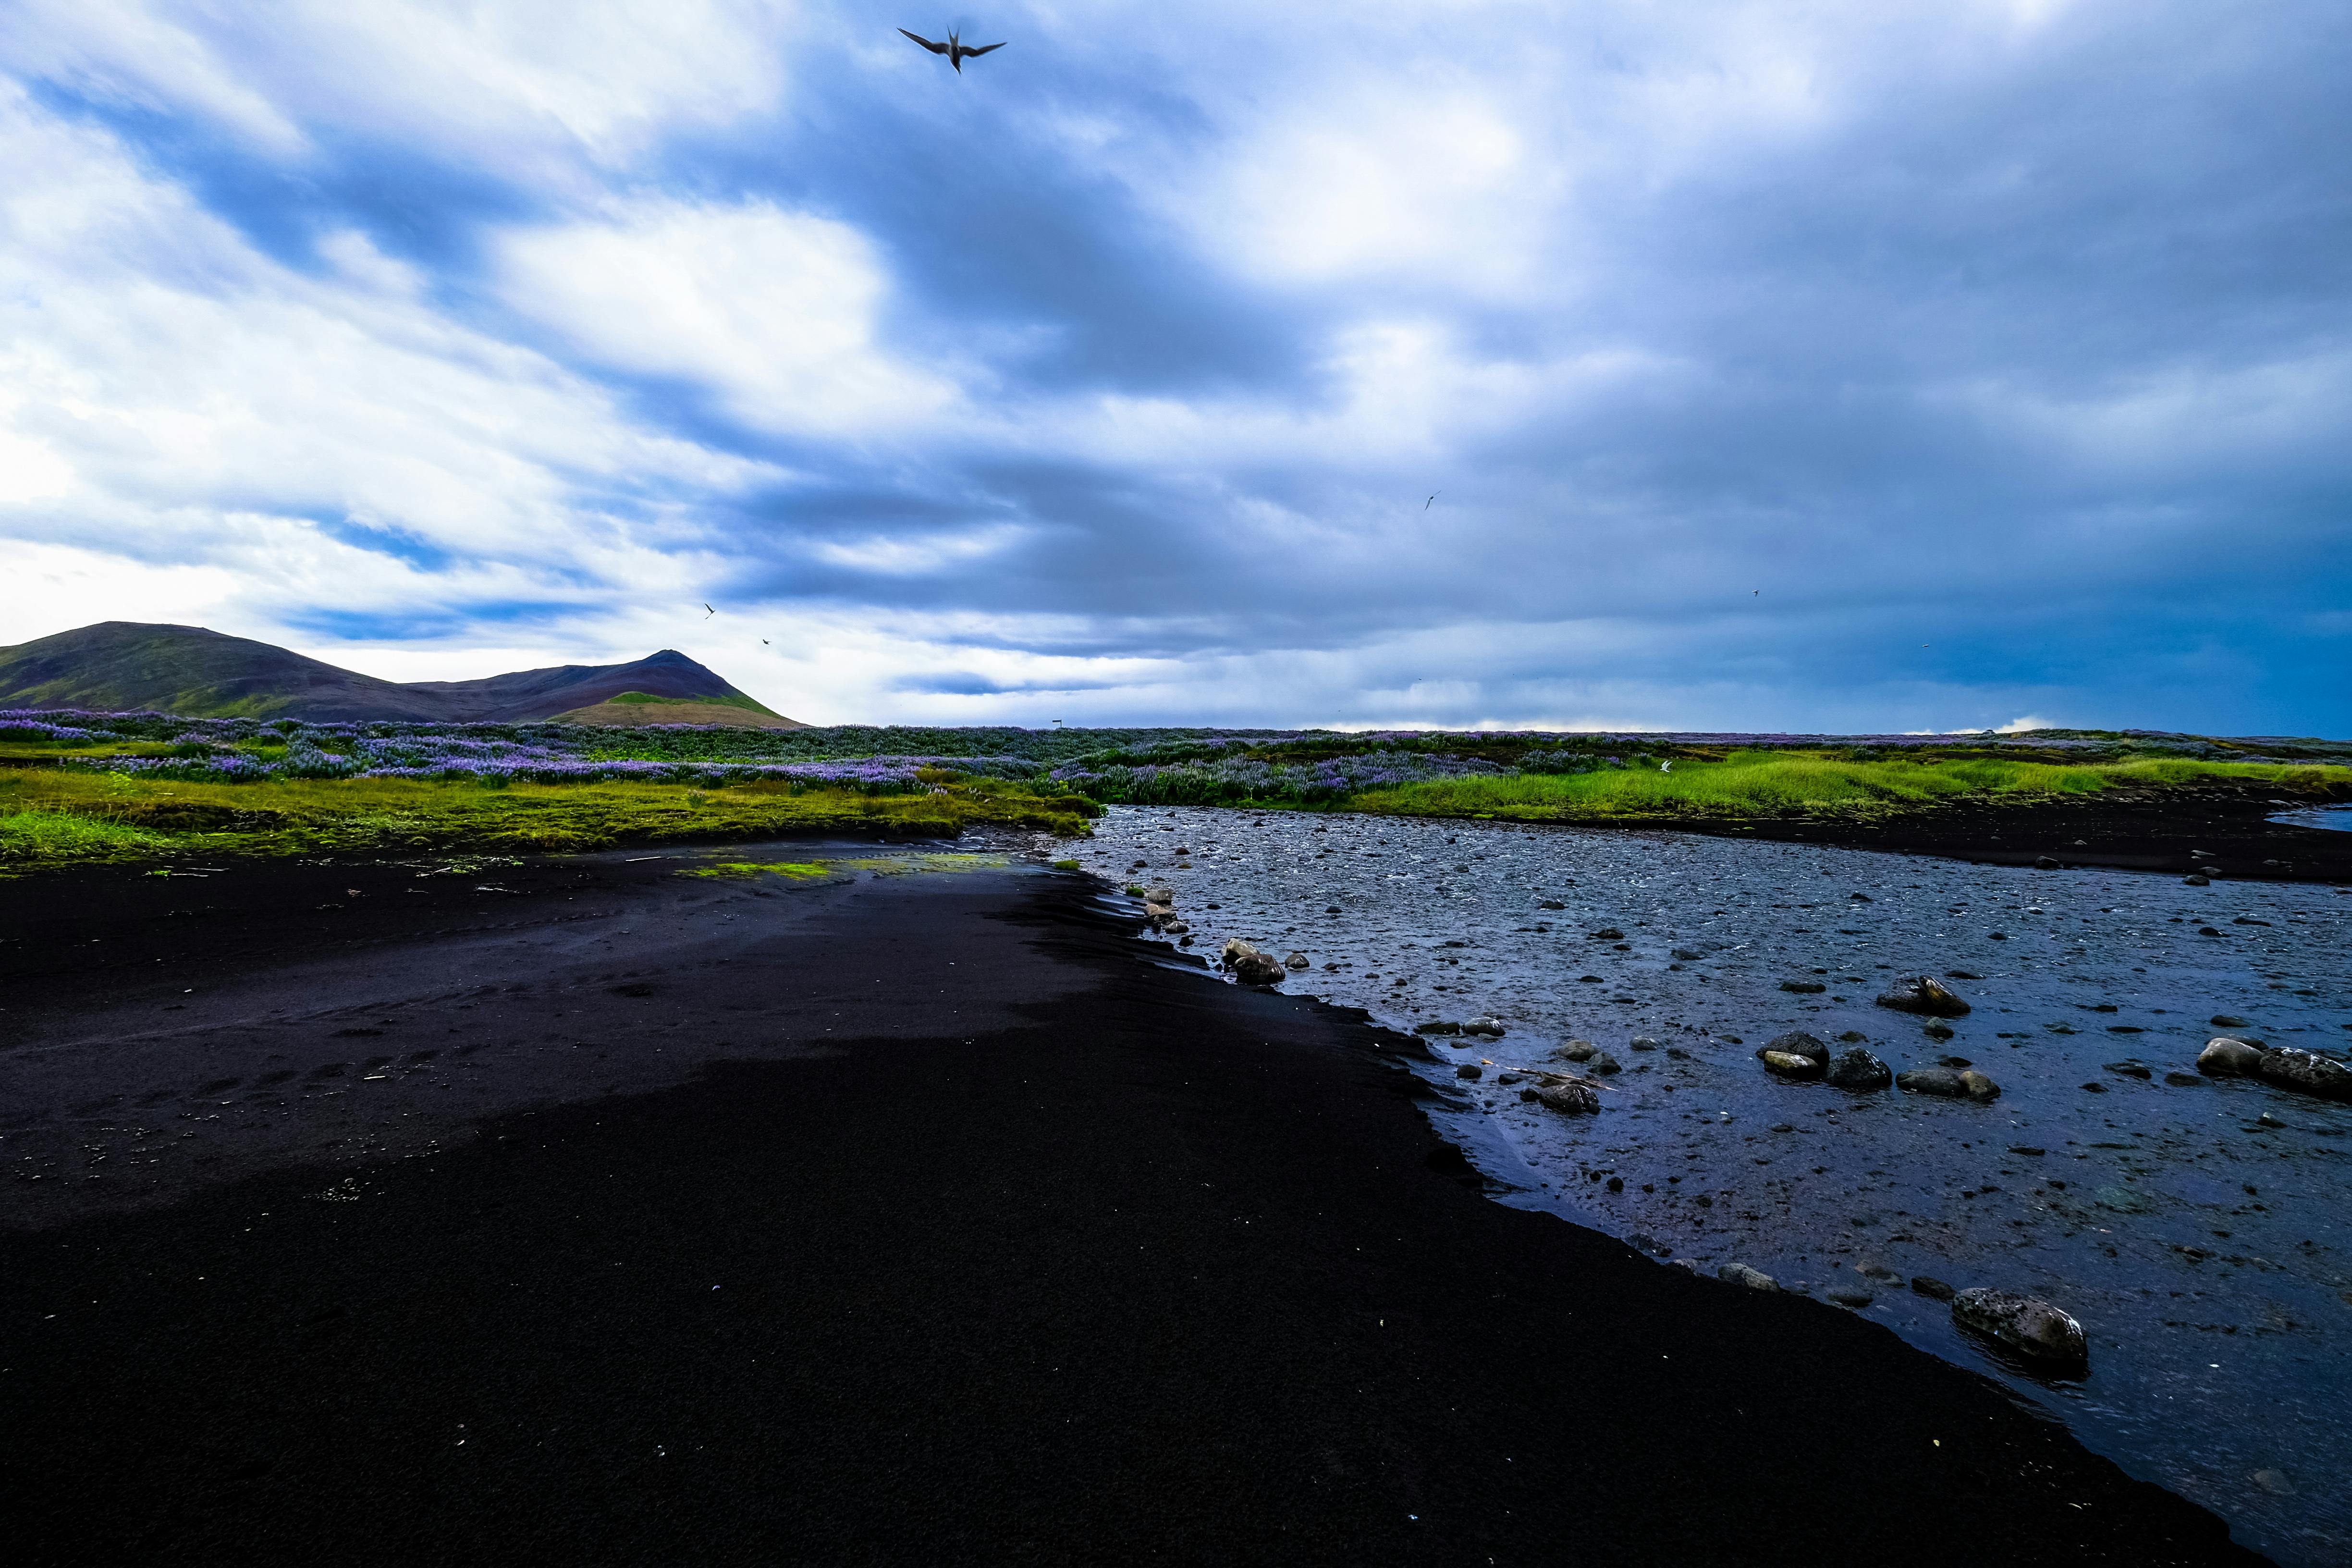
(708, 612)
(956, 51)
(1432, 500)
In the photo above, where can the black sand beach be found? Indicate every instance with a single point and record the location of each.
(909, 1218)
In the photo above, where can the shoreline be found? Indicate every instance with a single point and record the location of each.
(1021, 1245)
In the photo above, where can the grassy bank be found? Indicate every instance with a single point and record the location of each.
(55, 817)
(1777, 784)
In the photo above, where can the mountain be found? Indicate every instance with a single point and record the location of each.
(126, 665)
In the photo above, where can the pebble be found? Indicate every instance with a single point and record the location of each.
(1798, 1045)
(1569, 1099)
(1788, 1064)
(1941, 1081)
(1853, 1296)
(1753, 1278)
(1577, 1051)
(1602, 1062)
(1932, 1288)
(1469, 1070)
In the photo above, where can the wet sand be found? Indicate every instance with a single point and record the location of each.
(883, 1216)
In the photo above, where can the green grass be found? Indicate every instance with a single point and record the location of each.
(51, 818)
(801, 871)
(1778, 784)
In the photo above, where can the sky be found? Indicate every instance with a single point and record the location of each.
(1809, 365)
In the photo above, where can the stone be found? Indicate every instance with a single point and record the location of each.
(2024, 1323)
(1858, 1069)
(1981, 1088)
(1798, 1044)
(1932, 1288)
(1469, 1070)
(2183, 1079)
(1250, 967)
(1549, 904)
(1603, 1063)
(1609, 933)
(1568, 1099)
(1789, 1066)
(2195, 879)
(1486, 1026)
(2044, 863)
(2273, 1482)
(1577, 1051)
(2224, 1056)
(1642, 1042)
(1938, 1031)
(1296, 961)
(1803, 987)
(1878, 1271)
(1753, 1278)
(1437, 1026)
(1854, 1296)
(1685, 955)
(1174, 928)
(1160, 895)
(2306, 1071)
(1941, 1081)
(1922, 994)
(2225, 1021)
(1954, 1062)
(2129, 1069)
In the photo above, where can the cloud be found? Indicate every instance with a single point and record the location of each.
(1747, 348)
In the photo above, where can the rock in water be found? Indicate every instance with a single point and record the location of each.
(1568, 1098)
(1741, 1274)
(2305, 1070)
(2224, 1056)
(1978, 1088)
(1577, 1051)
(1858, 1069)
(1161, 895)
(1798, 1045)
(1935, 1290)
(1296, 961)
(1922, 994)
(1485, 1024)
(1602, 1062)
(1788, 1064)
(1469, 1070)
(1941, 1081)
(1803, 987)
(2024, 1323)
(1250, 967)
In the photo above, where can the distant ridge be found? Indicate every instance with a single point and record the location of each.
(126, 665)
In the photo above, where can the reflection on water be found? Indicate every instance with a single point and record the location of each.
(2198, 1228)
(2338, 817)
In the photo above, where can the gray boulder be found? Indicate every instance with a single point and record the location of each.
(2024, 1323)
(1798, 1045)
(1978, 1088)
(1602, 1062)
(1469, 1070)
(1296, 961)
(2226, 1057)
(1486, 1026)
(1437, 1026)
(1858, 1069)
(2305, 1072)
(1250, 967)
(1577, 1051)
(1787, 1065)
(1922, 994)
(1741, 1274)
(1568, 1099)
(1941, 1081)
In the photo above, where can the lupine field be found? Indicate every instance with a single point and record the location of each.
(78, 787)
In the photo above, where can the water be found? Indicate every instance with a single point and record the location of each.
(2338, 817)
(2204, 1247)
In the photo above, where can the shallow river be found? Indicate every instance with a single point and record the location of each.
(2198, 1230)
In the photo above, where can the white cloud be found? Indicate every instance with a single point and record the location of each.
(526, 85)
(775, 311)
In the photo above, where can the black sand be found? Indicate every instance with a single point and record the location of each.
(1014, 1247)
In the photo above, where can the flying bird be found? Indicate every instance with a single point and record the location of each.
(763, 642)
(708, 612)
(1432, 500)
(955, 49)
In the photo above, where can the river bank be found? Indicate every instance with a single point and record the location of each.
(890, 1215)
(2173, 1218)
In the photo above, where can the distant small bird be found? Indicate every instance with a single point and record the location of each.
(708, 612)
(1432, 500)
(956, 51)
(763, 642)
